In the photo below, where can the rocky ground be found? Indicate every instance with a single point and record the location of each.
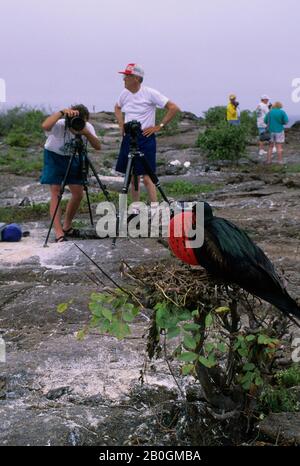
(55, 390)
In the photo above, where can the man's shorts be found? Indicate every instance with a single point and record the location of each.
(147, 146)
(278, 138)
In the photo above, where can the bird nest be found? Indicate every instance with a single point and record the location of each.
(192, 288)
(186, 286)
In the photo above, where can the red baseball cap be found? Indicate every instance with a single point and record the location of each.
(133, 68)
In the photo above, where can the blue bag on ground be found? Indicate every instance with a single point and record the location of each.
(11, 232)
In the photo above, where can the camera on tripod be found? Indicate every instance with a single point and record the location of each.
(133, 128)
(76, 123)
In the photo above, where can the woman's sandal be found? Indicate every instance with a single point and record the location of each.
(61, 239)
(69, 231)
(72, 232)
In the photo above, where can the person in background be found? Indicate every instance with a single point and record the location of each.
(233, 113)
(262, 110)
(139, 102)
(276, 119)
(56, 161)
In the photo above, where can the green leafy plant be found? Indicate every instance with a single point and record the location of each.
(24, 120)
(181, 187)
(18, 138)
(215, 116)
(255, 351)
(224, 142)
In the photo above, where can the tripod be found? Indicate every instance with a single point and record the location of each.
(133, 129)
(78, 148)
(134, 154)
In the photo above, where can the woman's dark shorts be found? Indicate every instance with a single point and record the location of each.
(55, 168)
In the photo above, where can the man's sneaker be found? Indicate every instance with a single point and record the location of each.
(274, 150)
(262, 152)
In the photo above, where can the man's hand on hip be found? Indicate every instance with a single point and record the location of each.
(153, 129)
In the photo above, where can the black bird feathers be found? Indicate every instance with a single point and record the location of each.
(229, 254)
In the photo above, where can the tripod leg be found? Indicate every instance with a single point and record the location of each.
(101, 185)
(154, 178)
(89, 204)
(61, 192)
(128, 173)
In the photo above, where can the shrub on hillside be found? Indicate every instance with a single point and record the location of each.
(18, 138)
(223, 142)
(215, 116)
(22, 120)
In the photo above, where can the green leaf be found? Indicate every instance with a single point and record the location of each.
(249, 366)
(191, 327)
(95, 321)
(209, 347)
(184, 315)
(250, 338)
(120, 329)
(222, 309)
(263, 340)
(207, 362)
(62, 307)
(162, 317)
(189, 342)
(173, 332)
(246, 385)
(107, 313)
(249, 376)
(195, 313)
(258, 381)
(187, 369)
(105, 326)
(208, 320)
(81, 334)
(221, 347)
(128, 317)
(188, 356)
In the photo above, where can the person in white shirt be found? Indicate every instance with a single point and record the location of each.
(139, 103)
(56, 160)
(262, 110)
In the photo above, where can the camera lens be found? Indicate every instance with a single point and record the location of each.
(77, 123)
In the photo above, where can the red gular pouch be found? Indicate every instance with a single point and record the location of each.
(180, 228)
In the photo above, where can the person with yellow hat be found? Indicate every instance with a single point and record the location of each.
(233, 113)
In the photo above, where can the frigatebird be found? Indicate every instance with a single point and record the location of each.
(230, 255)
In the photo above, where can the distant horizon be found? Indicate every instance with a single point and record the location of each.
(51, 109)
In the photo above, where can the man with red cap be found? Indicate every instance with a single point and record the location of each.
(139, 103)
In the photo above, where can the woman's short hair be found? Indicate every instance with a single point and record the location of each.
(83, 111)
(277, 105)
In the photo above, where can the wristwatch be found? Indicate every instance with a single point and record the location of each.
(161, 125)
(62, 113)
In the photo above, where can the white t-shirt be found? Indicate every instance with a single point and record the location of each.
(57, 137)
(261, 110)
(141, 105)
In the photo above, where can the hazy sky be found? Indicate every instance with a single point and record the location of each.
(58, 52)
